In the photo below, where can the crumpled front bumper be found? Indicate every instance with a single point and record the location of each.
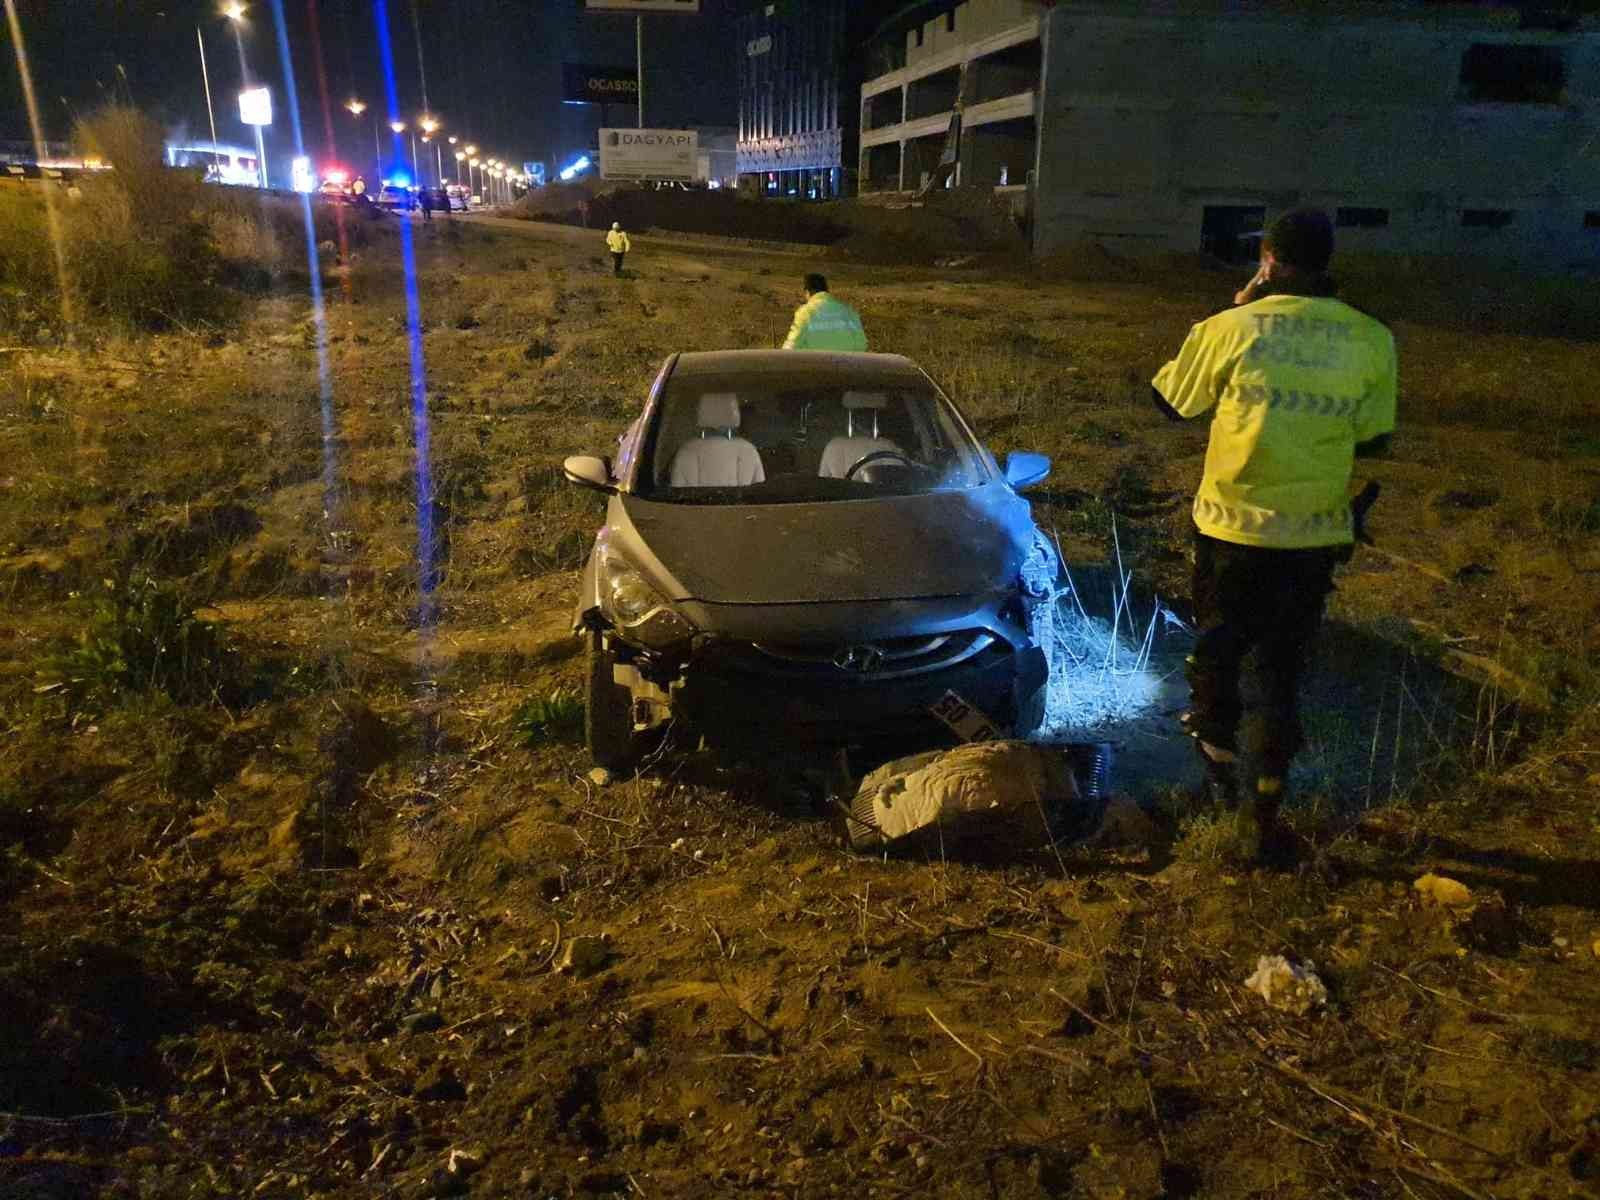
(727, 696)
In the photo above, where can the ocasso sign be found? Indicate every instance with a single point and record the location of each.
(585, 84)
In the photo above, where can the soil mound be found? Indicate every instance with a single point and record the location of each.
(956, 221)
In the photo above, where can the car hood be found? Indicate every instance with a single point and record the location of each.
(893, 548)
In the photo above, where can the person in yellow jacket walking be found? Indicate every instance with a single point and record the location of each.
(617, 242)
(1300, 385)
(823, 323)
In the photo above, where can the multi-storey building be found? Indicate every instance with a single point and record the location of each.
(1187, 124)
(957, 98)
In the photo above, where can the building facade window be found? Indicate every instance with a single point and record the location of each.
(1362, 218)
(1501, 74)
(1486, 218)
(950, 21)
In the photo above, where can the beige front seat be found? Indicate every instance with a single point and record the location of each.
(722, 461)
(842, 453)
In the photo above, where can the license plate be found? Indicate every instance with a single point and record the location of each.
(967, 722)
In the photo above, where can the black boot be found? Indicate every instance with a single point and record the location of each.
(1220, 790)
(1259, 837)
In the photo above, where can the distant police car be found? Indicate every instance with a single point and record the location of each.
(394, 196)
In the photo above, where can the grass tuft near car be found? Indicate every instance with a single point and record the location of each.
(806, 548)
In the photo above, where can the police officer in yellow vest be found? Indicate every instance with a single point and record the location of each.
(823, 323)
(1300, 385)
(617, 242)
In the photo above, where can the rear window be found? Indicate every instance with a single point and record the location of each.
(751, 439)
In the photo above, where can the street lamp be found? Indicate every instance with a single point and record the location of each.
(234, 11)
(399, 127)
(355, 107)
(459, 157)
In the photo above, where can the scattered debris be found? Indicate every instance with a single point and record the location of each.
(422, 1022)
(584, 956)
(944, 788)
(1124, 824)
(1441, 890)
(1286, 987)
(440, 1083)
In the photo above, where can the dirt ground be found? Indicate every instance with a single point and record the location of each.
(303, 936)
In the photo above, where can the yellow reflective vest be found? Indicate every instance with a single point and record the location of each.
(617, 242)
(823, 323)
(1294, 384)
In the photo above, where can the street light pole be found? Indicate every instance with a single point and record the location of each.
(235, 13)
(356, 107)
(205, 76)
(397, 127)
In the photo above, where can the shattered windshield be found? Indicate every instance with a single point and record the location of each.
(744, 439)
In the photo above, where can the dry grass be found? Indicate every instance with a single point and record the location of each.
(775, 1016)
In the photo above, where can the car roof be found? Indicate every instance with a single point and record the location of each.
(819, 365)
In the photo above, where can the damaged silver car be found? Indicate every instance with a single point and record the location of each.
(806, 547)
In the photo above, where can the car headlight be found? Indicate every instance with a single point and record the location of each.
(636, 607)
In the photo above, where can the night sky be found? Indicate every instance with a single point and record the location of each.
(492, 68)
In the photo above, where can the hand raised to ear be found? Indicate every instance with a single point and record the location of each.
(1253, 290)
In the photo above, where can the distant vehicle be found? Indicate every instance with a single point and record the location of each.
(394, 196)
(805, 546)
(460, 197)
(335, 191)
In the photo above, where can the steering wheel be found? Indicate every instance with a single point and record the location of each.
(878, 456)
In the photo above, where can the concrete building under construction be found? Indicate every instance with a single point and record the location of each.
(1171, 125)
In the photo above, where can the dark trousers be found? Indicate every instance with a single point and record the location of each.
(1269, 603)
(616, 262)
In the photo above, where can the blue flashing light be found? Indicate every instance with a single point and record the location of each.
(572, 171)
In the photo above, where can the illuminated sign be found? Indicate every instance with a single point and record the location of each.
(688, 7)
(255, 106)
(583, 84)
(667, 154)
(301, 178)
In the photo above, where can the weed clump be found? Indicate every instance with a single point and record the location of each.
(557, 717)
(149, 246)
(143, 637)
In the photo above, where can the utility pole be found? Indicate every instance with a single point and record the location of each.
(206, 78)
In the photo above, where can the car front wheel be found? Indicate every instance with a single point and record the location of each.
(608, 712)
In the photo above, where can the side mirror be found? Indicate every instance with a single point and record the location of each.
(1024, 470)
(585, 470)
